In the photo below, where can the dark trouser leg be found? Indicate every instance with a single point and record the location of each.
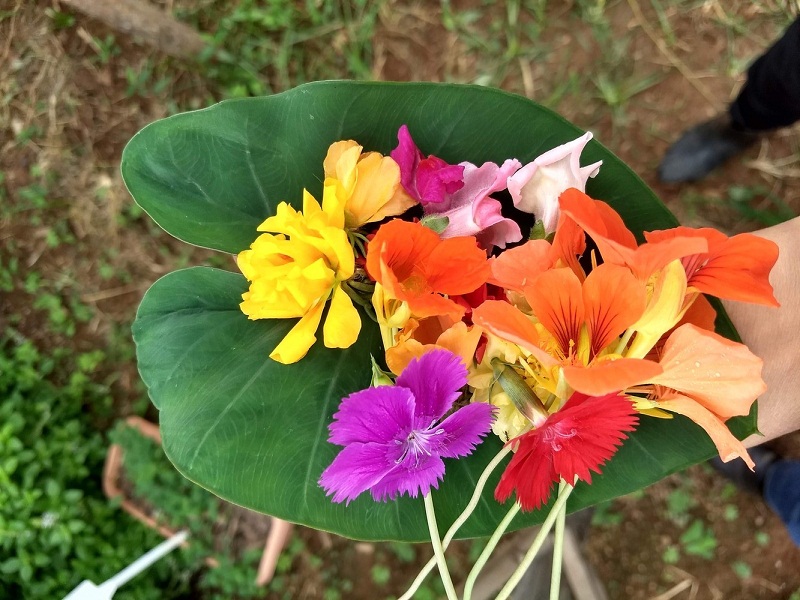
(770, 98)
(782, 493)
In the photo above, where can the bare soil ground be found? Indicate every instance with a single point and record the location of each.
(634, 72)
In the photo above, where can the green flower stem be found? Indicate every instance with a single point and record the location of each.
(517, 575)
(468, 510)
(438, 551)
(558, 547)
(487, 551)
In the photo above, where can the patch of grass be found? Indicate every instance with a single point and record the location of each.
(257, 48)
(56, 528)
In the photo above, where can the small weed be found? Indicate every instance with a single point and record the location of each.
(699, 540)
(762, 538)
(381, 574)
(679, 502)
(671, 555)
(106, 48)
(731, 512)
(60, 20)
(405, 553)
(742, 569)
(8, 272)
(728, 491)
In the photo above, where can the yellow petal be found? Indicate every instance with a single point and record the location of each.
(378, 180)
(340, 162)
(297, 342)
(333, 203)
(343, 324)
(665, 308)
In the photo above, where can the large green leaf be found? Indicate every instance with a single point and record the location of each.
(254, 431)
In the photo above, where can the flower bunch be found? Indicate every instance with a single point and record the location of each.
(559, 338)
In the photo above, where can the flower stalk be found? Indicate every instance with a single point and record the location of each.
(438, 550)
(517, 575)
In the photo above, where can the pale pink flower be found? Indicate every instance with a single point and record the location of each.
(535, 188)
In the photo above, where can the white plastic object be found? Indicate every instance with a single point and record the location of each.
(90, 591)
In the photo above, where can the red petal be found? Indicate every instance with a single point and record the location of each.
(573, 442)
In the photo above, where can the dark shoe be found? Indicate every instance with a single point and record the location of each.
(702, 149)
(741, 475)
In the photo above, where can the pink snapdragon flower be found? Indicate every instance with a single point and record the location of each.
(395, 437)
(472, 211)
(535, 188)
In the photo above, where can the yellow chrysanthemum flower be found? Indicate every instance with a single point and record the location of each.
(295, 268)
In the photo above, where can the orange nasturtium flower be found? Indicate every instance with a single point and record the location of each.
(412, 265)
(298, 266)
(600, 336)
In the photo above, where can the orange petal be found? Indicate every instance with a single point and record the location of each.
(700, 313)
(727, 445)
(654, 256)
(735, 268)
(723, 376)
(462, 341)
(456, 266)
(602, 223)
(424, 306)
(606, 376)
(517, 267)
(508, 323)
(614, 299)
(569, 244)
(399, 245)
(556, 299)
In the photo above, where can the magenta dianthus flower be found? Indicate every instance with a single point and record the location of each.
(394, 437)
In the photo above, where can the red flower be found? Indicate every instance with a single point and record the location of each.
(571, 443)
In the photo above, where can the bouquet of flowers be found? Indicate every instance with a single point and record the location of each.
(491, 334)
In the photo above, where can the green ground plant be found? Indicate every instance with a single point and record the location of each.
(56, 527)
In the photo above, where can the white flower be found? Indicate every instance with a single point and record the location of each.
(535, 188)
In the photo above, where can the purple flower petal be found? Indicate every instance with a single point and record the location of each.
(415, 475)
(380, 415)
(435, 379)
(464, 429)
(357, 468)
